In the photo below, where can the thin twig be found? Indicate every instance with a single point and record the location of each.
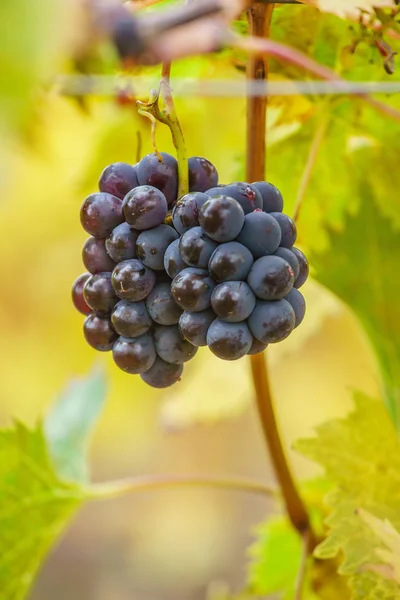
(308, 170)
(152, 482)
(258, 46)
(259, 23)
(305, 551)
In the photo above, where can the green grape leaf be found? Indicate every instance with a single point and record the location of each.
(347, 8)
(70, 422)
(361, 454)
(35, 506)
(389, 554)
(360, 267)
(275, 555)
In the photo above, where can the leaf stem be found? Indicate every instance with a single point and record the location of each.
(305, 550)
(153, 482)
(259, 16)
(310, 164)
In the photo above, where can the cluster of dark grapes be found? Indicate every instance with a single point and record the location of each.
(215, 268)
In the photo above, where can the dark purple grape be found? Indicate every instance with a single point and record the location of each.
(271, 278)
(99, 333)
(257, 347)
(99, 292)
(196, 248)
(261, 234)
(202, 174)
(233, 301)
(95, 257)
(230, 262)
(162, 374)
(298, 303)
(291, 258)
(134, 355)
(271, 196)
(173, 263)
(131, 319)
(152, 244)
(272, 322)
(288, 229)
(229, 341)
(215, 191)
(77, 294)
(194, 326)
(247, 195)
(132, 280)
(100, 213)
(161, 175)
(171, 346)
(118, 179)
(145, 207)
(192, 289)
(161, 305)
(185, 213)
(304, 268)
(221, 218)
(121, 243)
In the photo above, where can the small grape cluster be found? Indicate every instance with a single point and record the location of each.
(220, 270)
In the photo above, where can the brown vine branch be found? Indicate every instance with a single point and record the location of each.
(298, 595)
(259, 16)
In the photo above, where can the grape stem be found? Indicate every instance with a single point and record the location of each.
(169, 117)
(153, 482)
(259, 17)
(298, 595)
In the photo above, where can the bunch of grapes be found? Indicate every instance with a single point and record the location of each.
(215, 268)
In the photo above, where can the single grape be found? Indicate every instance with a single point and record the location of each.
(173, 263)
(304, 268)
(161, 305)
(257, 347)
(192, 289)
(202, 174)
(99, 292)
(246, 194)
(194, 326)
(100, 213)
(131, 319)
(95, 257)
(152, 244)
(161, 175)
(298, 303)
(196, 248)
(229, 341)
(118, 179)
(132, 280)
(162, 374)
(233, 301)
(221, 218)
(271, 278)
(261, 234)
(291, 258)
(272, 322)
(77, 294)
(185, 213)
(121, 243)
(171, 346)
(145, 207)
(230, 262)
(99, 333)
(215, 191)
(134, 355)
(288, 229)
(271, 196)
(125, 30)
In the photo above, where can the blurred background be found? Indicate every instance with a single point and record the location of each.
(162, 544)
